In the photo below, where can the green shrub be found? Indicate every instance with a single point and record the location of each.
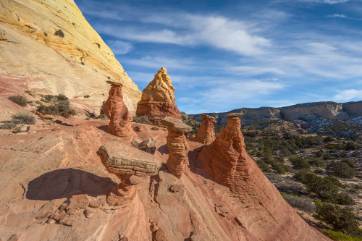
(56, 105)
(339, 236)
(279, 167)
(262, 165)
(18, 99)
(340, 218)
(302, 203)
(23, 118)
(327, 188)
(299, 163)
(342, 169)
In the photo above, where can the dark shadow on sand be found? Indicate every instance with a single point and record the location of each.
(64, 183)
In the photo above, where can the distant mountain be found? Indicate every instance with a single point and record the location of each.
(341, 119)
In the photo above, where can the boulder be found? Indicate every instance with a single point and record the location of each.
(206, 132)
(125, 160)
(158, 98)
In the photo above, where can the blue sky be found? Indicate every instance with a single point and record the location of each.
(228, 54)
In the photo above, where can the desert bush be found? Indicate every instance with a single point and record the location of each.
(23, 118)
(326, 188)
(18, 99)
(279, 167)
(339, 236)
(342, 169)
(340, 218)
(7, 125)
(303, 203)
(317, 162)
(56, 105)
(262, 165)
(299, 163)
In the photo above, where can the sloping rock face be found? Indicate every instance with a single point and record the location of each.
(222, 158)
(177, 146)
(158, 98)
(55, 48)
(206, 132)
(62, 193)
(116, 110)
(268, 216)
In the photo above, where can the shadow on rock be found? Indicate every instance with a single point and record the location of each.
(64, 183)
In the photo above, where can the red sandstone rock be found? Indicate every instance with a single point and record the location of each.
(116, 110)
(158, 98)
(266, 215)
(222, 157)
(206, 132)
(177, 146)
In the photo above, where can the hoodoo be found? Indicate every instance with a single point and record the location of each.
(206, 132)
(177, 146)
(271, 218)
(158, 98)
(116, 110)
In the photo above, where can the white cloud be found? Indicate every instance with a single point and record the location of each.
(348, 95)
(337, 15)
(120, 47)
(156, 62)
(332, 2)
(190, 30)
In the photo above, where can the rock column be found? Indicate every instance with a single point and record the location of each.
(177, 146)
(116, 110)
(206, 132)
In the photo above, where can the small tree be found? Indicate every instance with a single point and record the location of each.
(342, 219)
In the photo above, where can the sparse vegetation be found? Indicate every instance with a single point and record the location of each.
(339, 236)
(340, 218)
(19, 99)
(342, 169)
(56, 105)
(23, 118)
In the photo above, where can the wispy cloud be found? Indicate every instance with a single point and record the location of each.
(348, 95)
(186, 29)
(120, 47)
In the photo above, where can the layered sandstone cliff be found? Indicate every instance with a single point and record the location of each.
(53, 46)
(158, 98)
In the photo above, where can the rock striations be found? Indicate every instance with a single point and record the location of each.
(52, 45)
(116, 110)
(158, 98)
(177, 146)
(265, 214)
(222, 158)
(206, 132)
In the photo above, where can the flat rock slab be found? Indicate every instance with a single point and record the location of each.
(176, 124)
(121, 159)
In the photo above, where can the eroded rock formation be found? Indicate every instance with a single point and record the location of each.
(116, 110)
(177, 145)
(227, 162)
(45, 38)
(222, 158)
(158, 98)
(206, 132)
(126, 163)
